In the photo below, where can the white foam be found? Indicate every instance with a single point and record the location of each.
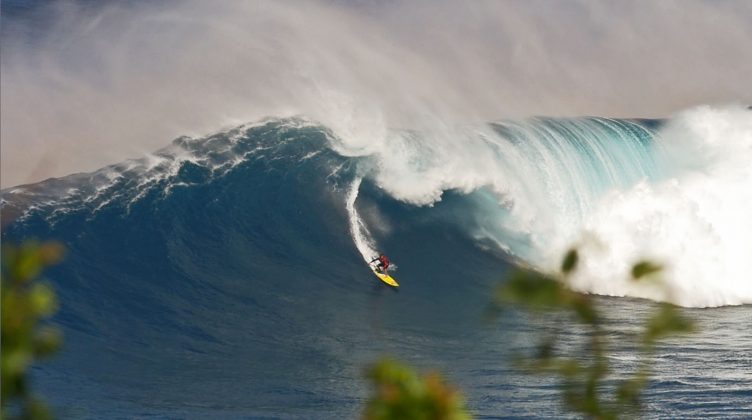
(684, 200)
(698, 221)
(359, 231)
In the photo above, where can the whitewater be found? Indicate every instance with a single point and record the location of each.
(678, 195)
(694, 220)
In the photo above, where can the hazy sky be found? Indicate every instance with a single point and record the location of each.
(84, 84)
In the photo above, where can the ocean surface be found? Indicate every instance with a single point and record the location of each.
(225, 276)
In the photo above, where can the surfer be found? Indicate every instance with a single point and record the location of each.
(383, 263)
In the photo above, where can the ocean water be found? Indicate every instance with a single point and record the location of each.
(224, 276)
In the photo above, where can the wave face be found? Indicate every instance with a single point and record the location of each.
(219, 277)
(242, 252)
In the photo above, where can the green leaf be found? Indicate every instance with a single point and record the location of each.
(400, 393)
(42, 299)
(533, 290)
(47, 341)
(644, 268)
(570, 261)
(664, 322)
(585, 310)
(629, 391)
(25, 303)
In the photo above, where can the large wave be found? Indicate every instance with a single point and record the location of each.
(677, 191)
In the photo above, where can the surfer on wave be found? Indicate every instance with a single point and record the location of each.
(383, 263)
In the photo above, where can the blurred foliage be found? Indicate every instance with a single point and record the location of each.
(586, 388)
(585, 384)
(26, 302)
(400, 393)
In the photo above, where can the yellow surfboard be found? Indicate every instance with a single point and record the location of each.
(386, 278)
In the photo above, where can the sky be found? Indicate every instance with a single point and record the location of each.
(84, 84)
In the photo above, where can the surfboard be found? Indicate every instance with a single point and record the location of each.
(386, 278)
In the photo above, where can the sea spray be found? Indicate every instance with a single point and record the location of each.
(358, 229)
